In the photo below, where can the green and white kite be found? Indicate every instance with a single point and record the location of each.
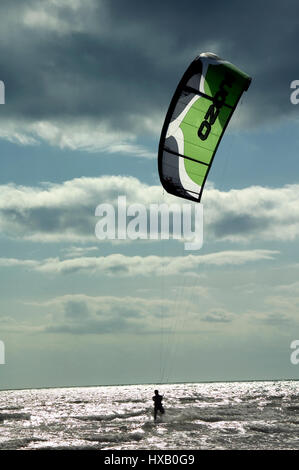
(198, 115)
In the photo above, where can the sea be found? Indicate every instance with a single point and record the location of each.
(232, 415)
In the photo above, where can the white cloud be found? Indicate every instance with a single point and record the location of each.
(65, 212)
(13, 262)
(81, 134)
(83, 314)
(292, 288)
(43, 19)
(219, 315)
(253, 213)
(59, 16)
(76, 251)
(121, 265)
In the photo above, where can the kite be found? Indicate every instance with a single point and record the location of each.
(198, 115)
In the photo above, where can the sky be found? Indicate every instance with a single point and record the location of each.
(87, 87)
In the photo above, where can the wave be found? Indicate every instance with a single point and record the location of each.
(137, 400)
(269, 429)
(78, 401)
(14, 444)
(110, 417)
(292, 408)
(185, 415)
(294, 421)
(15, 416)
(62, 447)
(188, 400)
(116, 437)
(212, 419)
(11, 408)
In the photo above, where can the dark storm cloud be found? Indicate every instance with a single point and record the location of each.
(114, 60)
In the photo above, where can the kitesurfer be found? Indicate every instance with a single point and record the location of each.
(158, 404)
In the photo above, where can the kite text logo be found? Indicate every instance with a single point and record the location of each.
(2, 353)
(294, 98)
(295, 354)
(2, 92)
(214, 109)
(158, 221)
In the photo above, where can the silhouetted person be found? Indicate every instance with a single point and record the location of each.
(158, 404)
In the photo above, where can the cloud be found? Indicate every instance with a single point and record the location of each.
(273, 319)
(55, 212)
(12, 325)
(82, 314)
(66, 212)
(76, 309)
(277, 319)
(62, 17)
(292, 288)
(80, 134)
(14, 262)
(124, 266)
(78, 251)
(218, 316)
(253, 213)
(111, 88)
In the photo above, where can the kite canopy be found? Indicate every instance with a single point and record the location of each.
(198, 115)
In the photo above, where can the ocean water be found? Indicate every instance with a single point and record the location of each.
(237, 415)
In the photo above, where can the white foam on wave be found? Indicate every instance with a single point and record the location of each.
(109, 417)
